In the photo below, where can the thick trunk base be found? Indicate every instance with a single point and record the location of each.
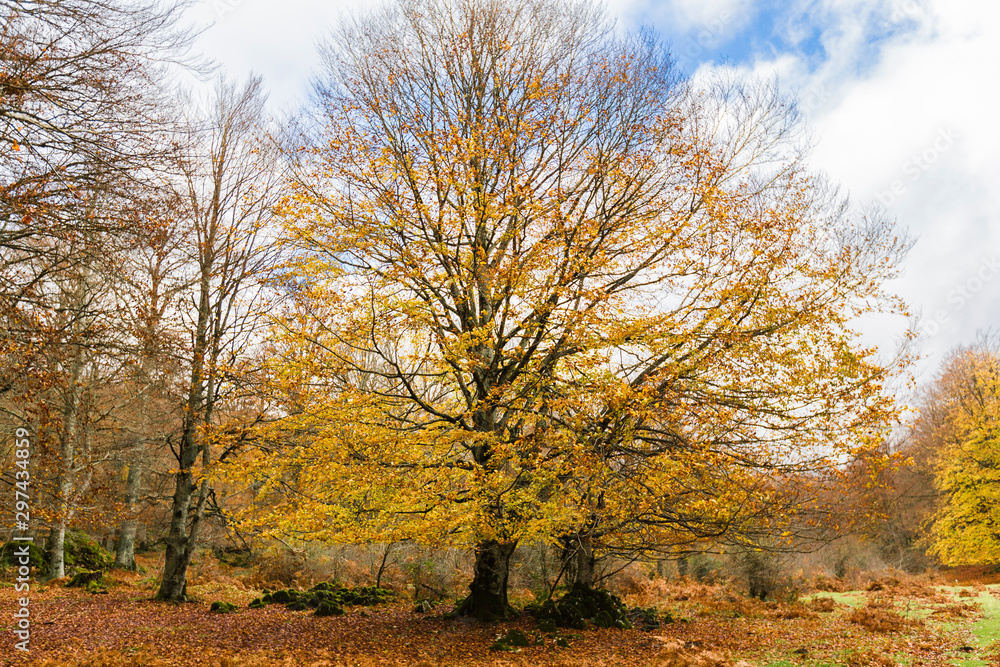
(487, 599)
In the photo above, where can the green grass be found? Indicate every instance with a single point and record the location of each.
(850, 598)
(985, 631)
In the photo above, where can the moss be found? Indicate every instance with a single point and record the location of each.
(327, 608)
(280, 597)
(82, 552)
(85, 578)
(257, 603)
(219, 607)
(297, 605)
(36, 557)
(423, 606)
(582, 604)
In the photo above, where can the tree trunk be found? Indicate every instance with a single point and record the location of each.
(180, 545)
(584, 561)
(125, 549)
(487, 599)
(57, 550)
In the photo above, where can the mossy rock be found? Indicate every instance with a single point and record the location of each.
(423, 607)
(219, 607)
(562, 642)
(647, 619)
(257, 603)
(499, 645)
(281, 597)
(327, 608)
(517, 638)
(582, 604)
(84, 553)
(36, 557)
(96, 588)
(547, 625)
(325, 592)
(85, 579)
(297, 605)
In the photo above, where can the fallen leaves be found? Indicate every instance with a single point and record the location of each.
(126, 628)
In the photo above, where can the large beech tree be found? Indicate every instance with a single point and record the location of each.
(540, 287)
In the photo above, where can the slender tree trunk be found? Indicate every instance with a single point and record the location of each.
(180, 545)
(487, 599)
(57, 550)
(125, 549)
(68, 447)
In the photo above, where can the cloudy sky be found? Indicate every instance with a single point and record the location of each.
(902, 97)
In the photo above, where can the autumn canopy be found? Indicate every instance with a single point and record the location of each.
(538, 287)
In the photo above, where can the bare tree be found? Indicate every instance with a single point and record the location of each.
(230, 185)
(82, 115)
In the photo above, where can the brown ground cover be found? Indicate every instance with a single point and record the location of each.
(714, 626)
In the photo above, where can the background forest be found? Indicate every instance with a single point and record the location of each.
(513, 311)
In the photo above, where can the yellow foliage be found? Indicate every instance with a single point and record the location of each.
(533, 295)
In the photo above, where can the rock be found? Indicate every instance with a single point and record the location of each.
(36, 557)
(219, 607)
(257, 603)
(85, 578)
(327, 608)
(281, 597)
(84, 553)
(582, 604)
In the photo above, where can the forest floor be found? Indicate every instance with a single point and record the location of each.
(950, 619)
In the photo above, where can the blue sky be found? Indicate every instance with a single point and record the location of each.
(902, 98)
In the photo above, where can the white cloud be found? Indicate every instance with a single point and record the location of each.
(911, 122)
(276, 40)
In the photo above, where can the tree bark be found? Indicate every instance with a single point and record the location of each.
(57, 550)
(125, 549)
(487, 599)
(584, 561)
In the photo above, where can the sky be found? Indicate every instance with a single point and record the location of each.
(902, 98)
